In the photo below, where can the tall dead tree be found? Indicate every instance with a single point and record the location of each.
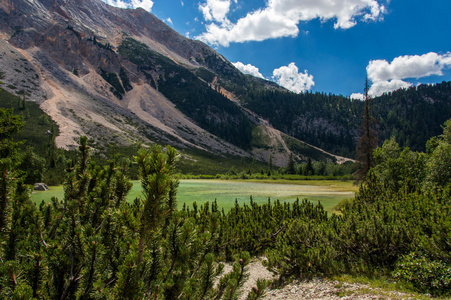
(368, 139)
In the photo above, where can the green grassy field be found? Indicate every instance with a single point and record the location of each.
(328, 192)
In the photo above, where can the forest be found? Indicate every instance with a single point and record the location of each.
(92, 244)
(332, 122)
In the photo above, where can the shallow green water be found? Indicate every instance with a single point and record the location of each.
(226, 191)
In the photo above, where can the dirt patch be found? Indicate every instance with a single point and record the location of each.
(319, 289)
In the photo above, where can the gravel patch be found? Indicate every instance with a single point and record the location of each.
(318, 289)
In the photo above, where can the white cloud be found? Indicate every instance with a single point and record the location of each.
(357, 96)
(380, 87)
(169, 21)
(290, 78)
(215, 10)
(387, 77)
(248, 69)
(408, 66)
(280, 18)
(145, 4)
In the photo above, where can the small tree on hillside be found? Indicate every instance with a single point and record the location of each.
(291, 167)
(368, 139)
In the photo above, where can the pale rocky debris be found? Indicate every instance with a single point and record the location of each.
(315, 289)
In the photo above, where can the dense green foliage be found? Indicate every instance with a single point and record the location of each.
(297, 115)
(41, 159)
(401, 212)
(413, 115)
(94, 245)
(193, 96)
(39, 129)
(425, 275)
(9, 124)
(398, 225)
(331, 122)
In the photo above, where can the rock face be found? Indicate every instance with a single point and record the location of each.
(68, 55)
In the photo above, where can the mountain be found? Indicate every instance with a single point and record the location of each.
(123, 76)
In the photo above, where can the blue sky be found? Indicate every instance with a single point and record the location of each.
(320, 45)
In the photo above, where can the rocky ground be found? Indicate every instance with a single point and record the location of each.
(331, 289)
(319, 289)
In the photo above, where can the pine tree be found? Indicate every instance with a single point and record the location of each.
(156, 169)
(9, 124)
(291, 165)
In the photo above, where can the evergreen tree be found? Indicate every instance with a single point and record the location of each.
(159, 188)
(309, 168)
(9, 124)
(291, 165)
(270, 163)
(32, 165)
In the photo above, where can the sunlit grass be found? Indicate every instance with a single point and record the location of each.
(54, 191)
(381, 286)
(225, 192)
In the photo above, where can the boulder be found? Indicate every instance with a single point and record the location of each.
(41, 187)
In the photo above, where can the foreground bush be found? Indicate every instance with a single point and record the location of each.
(425, 275)
(404, 207)
(94, 245)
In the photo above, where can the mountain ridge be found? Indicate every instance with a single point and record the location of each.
(123, 76)
(67, 58)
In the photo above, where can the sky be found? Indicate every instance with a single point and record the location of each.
(328, 46)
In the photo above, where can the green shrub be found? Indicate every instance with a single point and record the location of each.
(305, 250)
(426, 276)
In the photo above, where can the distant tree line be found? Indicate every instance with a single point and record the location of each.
(332, 122)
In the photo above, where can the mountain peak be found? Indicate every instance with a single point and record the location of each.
(124, 76)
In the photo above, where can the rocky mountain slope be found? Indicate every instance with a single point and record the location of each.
(123, 76)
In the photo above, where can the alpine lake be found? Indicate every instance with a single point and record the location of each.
(328, 192)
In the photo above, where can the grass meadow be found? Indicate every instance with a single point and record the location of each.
(328, 192)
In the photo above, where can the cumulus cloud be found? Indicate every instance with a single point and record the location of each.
(290, 78)
(280, 18)
(248, 69)
(387, 77)
(145, 4)
(357, 96)
(380, 87)
(215, 10)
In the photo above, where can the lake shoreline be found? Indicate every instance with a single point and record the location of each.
(225, 192)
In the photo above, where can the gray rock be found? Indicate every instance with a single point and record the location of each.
(41, 187)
